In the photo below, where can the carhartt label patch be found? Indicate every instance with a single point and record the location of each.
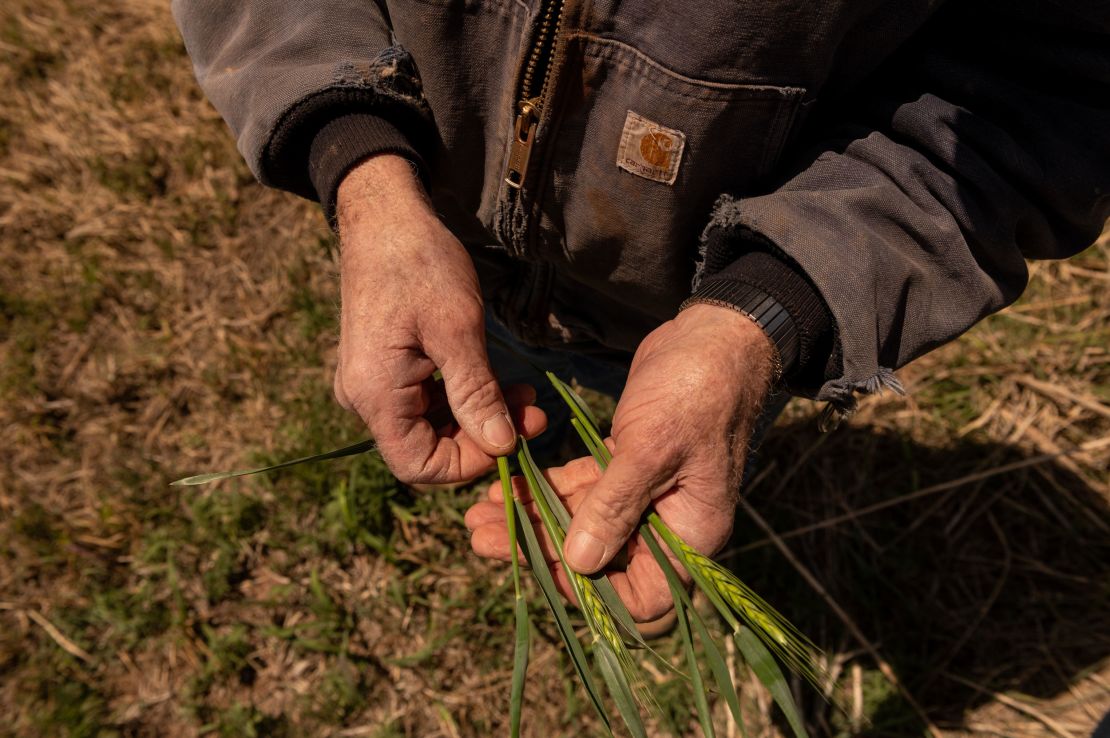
(650, 150)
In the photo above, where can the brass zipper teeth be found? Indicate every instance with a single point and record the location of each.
(530, 105)
(552, 18)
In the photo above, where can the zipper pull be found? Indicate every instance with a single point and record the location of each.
(524, 132)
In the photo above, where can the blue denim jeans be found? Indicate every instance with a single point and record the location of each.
(511, 365)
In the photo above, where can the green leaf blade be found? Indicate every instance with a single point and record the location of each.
(701, 701)
(522, 640)
(520, 665)
(619, 688)
(719, 669)
(534, 554)
(357, 448)
(767, 670)
(577, 405)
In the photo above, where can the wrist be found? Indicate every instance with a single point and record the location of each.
(761, 310)
(740, 339)
(382, 189)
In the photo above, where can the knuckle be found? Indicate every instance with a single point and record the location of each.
(341, 398)
(413, 471)
(458, 322)
(363, 403)
(442, 465)
(471, 315)
(355, 382)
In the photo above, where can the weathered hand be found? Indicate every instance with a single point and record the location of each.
(680, 440)
(411, 304)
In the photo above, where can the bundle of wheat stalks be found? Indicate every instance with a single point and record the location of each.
(760, 632)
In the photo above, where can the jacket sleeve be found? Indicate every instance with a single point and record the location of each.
(984, 142)
(308, 89)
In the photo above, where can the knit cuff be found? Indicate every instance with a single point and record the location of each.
(802, 328)
(345, 142)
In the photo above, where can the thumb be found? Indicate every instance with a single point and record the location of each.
(609, 515)
(474, 393)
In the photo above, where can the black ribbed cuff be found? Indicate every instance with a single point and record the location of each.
(346, 141)
(764, 310)
(801, 326)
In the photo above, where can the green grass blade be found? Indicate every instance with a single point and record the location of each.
(510, 516)
(673, 543)
(357, 448)
(684, 608)
(717, 666)
(534, 554)
(523, 638)
(536, 480)
(577, 405)
(599, 452)
(520, 665)
(763, 664)
(701, 701)
(615, 679)
(713, 655)
(759, 658)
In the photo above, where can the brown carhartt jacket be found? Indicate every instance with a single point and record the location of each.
(879, 170)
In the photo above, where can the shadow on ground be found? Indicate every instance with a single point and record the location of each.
(998, 585)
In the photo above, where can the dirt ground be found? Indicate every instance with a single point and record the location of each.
(161, 314)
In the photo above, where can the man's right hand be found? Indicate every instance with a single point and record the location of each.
(411, 304)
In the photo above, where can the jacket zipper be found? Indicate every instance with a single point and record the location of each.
(533, 90)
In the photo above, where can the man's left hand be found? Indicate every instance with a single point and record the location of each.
(679, 442)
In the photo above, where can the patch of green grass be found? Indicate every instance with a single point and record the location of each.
(226, 652)
(228, 649)
(31, 64)
(63, 701)
(147, 66)
(339, 695)
(142, 176)
(245, 721)
(221, 521)
(129, 619)
(40, 531)
(360, 511)
(316, 317)
(75, 710)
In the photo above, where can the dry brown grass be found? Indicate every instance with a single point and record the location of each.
(160, 314)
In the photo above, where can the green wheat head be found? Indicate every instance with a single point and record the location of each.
(597, 615)
(603, 627)
(796, 651)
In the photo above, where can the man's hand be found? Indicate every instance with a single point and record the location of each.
(680, 440)
(411, 304)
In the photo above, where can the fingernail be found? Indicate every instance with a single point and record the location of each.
(584, 552)
(498, 431)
